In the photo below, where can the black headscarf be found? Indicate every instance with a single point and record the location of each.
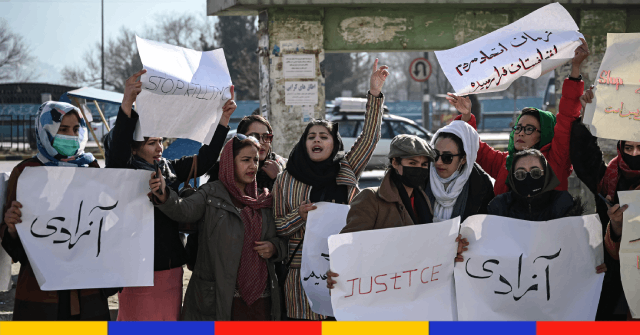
(320, 175)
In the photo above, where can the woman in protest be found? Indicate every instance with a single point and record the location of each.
(621, 174)
(535, 129)
(61, 134)
(533, 195)
(162, 301)
(318, 170)
(234, 275)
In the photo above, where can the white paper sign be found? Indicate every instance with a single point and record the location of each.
(328, 219)
(395, 274)
(299, 66)
(531, 46)
(520, 270)
(183, 91)
(5, 259)
(615, 111)
(630, 250)
(297, 93)
(87, 228)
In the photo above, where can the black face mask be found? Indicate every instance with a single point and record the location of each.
(632, 161)
(529, 186)
(414, 177)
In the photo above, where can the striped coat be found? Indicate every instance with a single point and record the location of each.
(289, 193)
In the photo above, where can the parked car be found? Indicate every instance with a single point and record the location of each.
(349, 114)
(100, 130)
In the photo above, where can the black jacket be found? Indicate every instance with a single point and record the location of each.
(590, 168)
(550, 205)
(479, 197)
(169, 251)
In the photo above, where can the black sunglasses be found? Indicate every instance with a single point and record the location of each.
(536, 173)
(266, 138)
(447, 158)
(528, 130)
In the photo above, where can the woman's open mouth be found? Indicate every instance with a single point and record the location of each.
(316, 149)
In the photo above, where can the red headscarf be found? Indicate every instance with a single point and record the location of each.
(609, 183)
(252, 274)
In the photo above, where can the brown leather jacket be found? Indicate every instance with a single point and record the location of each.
(377, 208)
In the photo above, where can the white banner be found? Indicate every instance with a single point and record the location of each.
(183, 91)
(615, 111)
(630, 250)
(531, 46)
(328, 219)
(5, 259)
(395, 274)
(521, 270)
(87, 228)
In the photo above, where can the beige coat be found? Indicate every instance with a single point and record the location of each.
(377, 208)
(210, 292)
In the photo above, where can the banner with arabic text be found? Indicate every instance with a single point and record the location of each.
(519, 270)
(531, 47)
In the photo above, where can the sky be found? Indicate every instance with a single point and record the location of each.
(59, 32)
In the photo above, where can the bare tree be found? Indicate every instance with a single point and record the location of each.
(121, 53)
(14, 56)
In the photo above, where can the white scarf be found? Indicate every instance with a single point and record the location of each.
(446, 199)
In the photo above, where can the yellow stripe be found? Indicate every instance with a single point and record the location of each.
(54, 328)
(374, 327)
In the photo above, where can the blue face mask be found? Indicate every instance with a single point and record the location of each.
(66, 145)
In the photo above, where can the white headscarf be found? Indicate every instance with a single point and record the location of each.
(446, 199)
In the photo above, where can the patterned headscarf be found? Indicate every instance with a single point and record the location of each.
(252, 274)
(48, 121)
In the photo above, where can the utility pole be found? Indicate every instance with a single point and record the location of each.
(426, 101)
(102, 3)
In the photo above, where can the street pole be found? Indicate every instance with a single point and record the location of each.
(102, 3)
(426, 101)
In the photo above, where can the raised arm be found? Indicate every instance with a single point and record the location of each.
(288, 221)
(184, 210)
(117, 144)
(208, 154)
(568, 112)
(492, 161)
(361, 151)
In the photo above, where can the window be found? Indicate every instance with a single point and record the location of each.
(401, 127)
(348, 128)
(386, 131)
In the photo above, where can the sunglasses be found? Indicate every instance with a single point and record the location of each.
(266, 138)
(447, 158)
(528, 130)
(242, 137)
(536, 173)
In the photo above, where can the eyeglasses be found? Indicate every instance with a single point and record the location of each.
(447, 158)
(527, 130)
(536, 173)
(243, 137)
(266, 138)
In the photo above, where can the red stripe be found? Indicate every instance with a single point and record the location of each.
(268, 327)
(586, 328)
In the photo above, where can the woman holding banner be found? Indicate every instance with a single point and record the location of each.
(536, 129)
(234, 276)
(318, 170)
(605, 180)
(61, 134)
(163, 300)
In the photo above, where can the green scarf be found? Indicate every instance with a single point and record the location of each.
(547, 123)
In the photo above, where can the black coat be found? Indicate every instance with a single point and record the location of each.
(479, 197)
(550, 205)
(169, 251)
(590, 168)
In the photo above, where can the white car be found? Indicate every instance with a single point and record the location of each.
(100, 130)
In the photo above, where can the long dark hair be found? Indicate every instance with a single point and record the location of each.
(246, 122)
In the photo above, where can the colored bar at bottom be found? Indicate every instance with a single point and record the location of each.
(375, 327)
(53, 328)
(483, 327)
(588, 327)
(161, 327)
(268, 327)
